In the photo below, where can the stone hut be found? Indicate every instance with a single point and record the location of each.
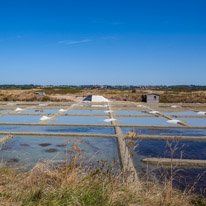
(150, 98)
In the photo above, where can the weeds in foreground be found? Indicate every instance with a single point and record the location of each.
(170, 176)
(47, 184)
(71, 184)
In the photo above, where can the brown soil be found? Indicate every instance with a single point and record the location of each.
(44, 144)
(14, 160)
(51, 150)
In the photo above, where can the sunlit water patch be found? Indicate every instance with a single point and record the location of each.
(183, 113)
(19, 119)
(131, 113)
(53, 129)
(198, 122)
(86, 112)
(148, 121)
(48, 111)
(79, 120)
(4, 111)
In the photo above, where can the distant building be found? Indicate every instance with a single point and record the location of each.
(40, 93)
(150, 98)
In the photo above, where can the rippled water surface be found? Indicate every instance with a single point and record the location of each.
(27, 151)
(53, 129)
(165, 131)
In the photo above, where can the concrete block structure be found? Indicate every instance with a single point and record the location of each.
(150, 98)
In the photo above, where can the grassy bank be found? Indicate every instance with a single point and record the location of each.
(69, 185)
(135, 95)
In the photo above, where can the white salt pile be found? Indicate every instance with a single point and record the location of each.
(140, 105)
(95, 98)
(201, 113)
(18, 109)
(108, 111)
(154, 112)
(174, 106)
(44, 118)
(62, 110)
(173, 121)
(110, 120)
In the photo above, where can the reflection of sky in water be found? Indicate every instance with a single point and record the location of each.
(19, 119)
(4, 111)
(80, 120)
(169, 132)
(199, 122)
(145, 121)
(49, 111)
(28, 151)
(53, 129)
(131, 112)
(182, 113)
(86, 112)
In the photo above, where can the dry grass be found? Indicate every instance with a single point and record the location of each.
(57, 94)
(71, 184)
(51, 185)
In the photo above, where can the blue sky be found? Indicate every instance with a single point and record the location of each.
(150, 42)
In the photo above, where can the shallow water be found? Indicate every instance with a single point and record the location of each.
(27, 151)
(160, 148)
(53, 129)
(184, 177)
(19, 119)
(199, 122)
(183, 113)
(86, 112)
(79, 120)
(156, 121)
(4, 111)
(166, 132)
(131, 112)
(48, 111)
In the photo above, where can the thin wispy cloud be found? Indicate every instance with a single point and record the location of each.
(74, 42)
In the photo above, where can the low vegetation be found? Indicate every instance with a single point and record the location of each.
(176, 95)
(70, 185)
(58, 90)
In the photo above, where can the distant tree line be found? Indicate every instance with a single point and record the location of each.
(117, 87)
